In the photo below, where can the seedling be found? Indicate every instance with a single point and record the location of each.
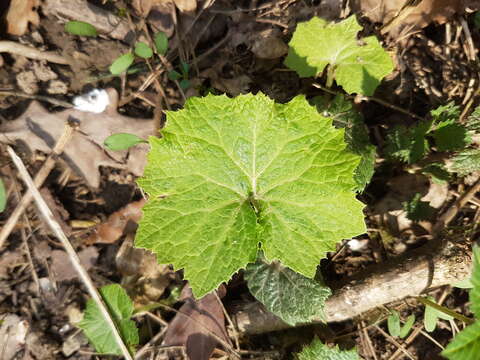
(394, 327)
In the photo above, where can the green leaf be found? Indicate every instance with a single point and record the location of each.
(161, 42)
(408, 144)
(229, 174)
(184, 84)
(289, 295)
(143, 50)
(451, 137)
(407, 326)
(319, 351)
(437, 173)
(185, 68)
(446, 113)
(122, 141)
(465, 345)
(174, 75)
(475, 279)
(122, 63)
(418, 210)
(393, 323)
(463, 284)
(466, 162)
(356, 134)
(473, 121)
(80, 28)
(96, 329)
(431, 315)
(3, 196)
(358, 68)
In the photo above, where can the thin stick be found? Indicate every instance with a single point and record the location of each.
(39, 179)
(453, 210)
(31, 52)
(57, 230)
(229, 320)
(372, 98)
(395, 342)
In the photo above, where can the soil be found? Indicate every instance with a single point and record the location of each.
(232, 47)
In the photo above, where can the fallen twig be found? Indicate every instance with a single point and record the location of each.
(31, 52)
(39, 179)
(410, 274)
(57, 230)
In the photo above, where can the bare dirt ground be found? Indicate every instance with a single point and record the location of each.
(231, 47)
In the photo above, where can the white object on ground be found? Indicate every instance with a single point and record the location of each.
(95, 101)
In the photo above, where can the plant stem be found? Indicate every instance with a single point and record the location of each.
(445, 310)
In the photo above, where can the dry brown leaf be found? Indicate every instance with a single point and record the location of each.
(143, 277)
(19, 14)
(187, 6)
(40, 129)
(426, 12)
(112, 229)
(160, 17)
(268, 45)
(13, 332)
(193, 327)
(142, 7)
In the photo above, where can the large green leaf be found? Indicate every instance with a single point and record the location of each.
(289, 295)
(475, 279)
(357, 67)
(96, 329)
(319, 351)
(356, 134)
(465, 345)
(229, 174)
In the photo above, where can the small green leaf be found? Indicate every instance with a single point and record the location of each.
(185, 68)
(407, 326)
(466, 162)
(449, 112)
(437, 173)
(3, 196)
(96, 329)
(143, 50)
(418, 210)
(80, 28)
(184, 84)
(408, 144)
(451, 137)
(174, 75)
(122, 63)
(463, 284)
(122, 141)
(230, 174)
(393, 323)
(431, 316)
(319, 351)
(289, 295)
(357, 67)
(161, 42)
